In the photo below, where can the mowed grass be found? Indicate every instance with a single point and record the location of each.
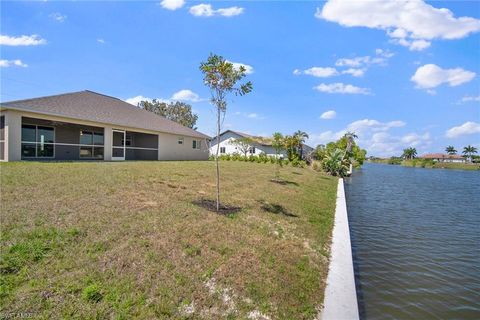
(123, 240)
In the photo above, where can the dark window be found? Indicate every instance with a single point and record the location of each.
(222, 149)
(28, 150)
(180, 140)
(85, 152)
(89, 139)
(29, 133)
(128, 140)
(38, 141)
(98, 152)
(45, 135)
(196, 144)
(252, 150)
(2, 128)
(2, 138)
(98, 138)
(86, 137)
(44, 150)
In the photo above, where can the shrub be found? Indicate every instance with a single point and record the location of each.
(92, 293)
(298, 163)
(251, 158)
(236, 156)
(272, 159)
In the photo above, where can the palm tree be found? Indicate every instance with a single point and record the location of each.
(291, 145)
(301, 137)
(351, 136)
(468, 151)
(451, 150)
(409, 153)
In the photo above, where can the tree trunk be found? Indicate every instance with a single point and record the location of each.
(216, 159)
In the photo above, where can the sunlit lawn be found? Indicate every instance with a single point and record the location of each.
(123, 240)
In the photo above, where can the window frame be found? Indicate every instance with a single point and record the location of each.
(38, 143)
(92, 145)
(180, 140)
(196, 144)
(252, 150)
(224, 150)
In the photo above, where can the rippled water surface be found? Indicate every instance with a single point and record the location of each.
(416, 242)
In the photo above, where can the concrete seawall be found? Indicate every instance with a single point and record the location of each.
(340, 294)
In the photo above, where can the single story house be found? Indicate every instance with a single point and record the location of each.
(440, 157)
(87, 125)
(259, 145)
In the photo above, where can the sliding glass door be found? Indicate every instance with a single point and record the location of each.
(118, 145)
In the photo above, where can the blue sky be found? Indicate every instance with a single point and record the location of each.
(400, 74)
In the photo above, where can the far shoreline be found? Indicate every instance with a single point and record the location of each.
(426, 164)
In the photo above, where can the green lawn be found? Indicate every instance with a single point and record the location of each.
(123, 240)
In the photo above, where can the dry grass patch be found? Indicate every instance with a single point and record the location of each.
(125, 240)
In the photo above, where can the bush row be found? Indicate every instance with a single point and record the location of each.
(262, 158)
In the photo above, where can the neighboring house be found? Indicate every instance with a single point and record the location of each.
(260, 145)
(440, 157)
(87, 125)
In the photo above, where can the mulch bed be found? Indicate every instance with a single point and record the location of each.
(211, 205)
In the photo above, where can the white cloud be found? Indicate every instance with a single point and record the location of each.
(430, 76)
(206, 10)
(471, 98)
(341, 88)
(327, 115)
(320, 72)
(352, 62)
(100, 40)
(230, 12)
(186, 95)
(467, 128)
(172, 4)
(376, 137)
(251, 115)
(12, 63)
(411, 23)
(136, 100)
(363, 125)
(33, 40)
(248, 68)
(57, 16)
(354, 72)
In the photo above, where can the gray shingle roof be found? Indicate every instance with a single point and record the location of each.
(96, 107)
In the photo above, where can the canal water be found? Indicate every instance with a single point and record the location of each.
(415, 241)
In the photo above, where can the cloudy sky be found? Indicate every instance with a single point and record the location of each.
(398, 73)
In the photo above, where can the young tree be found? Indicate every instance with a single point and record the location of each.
(278, 145)
(451, 150)
(243, 144)
(301, 136)
(221, 77)
(468, 151)
(177, 111)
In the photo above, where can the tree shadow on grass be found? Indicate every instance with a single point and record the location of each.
(211, 205)
(275, 208)
(284, 182)
(297, 173)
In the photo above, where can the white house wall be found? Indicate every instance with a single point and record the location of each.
(226, 141)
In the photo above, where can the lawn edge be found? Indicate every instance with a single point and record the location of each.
(340, 293)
